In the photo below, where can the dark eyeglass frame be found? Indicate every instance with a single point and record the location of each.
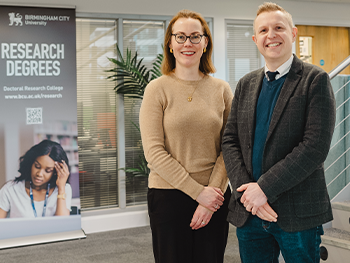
(189, 37)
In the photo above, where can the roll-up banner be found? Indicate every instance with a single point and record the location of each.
(39, 175)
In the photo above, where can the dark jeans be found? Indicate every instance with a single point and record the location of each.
(173, 240)
(261, 242)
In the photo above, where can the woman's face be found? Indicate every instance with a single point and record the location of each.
(42, 170)
(188, 54)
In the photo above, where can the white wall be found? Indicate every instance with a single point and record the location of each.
(311, 13)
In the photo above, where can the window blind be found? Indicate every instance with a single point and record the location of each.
(145, 37)
(97, 142)
(242, 53)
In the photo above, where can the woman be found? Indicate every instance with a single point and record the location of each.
(41, 189)
(182, 118)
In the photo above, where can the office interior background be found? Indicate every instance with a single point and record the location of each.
(107, 137)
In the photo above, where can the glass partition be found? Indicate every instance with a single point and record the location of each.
(145, 37)
(242, 54)
(337, 164)
(96, 41)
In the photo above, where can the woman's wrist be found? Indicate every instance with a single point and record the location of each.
(61, 190)
(207, 209)
(62, 196)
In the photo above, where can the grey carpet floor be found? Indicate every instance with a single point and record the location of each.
(122, 246)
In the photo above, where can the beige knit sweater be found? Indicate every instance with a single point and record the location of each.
(181, 139)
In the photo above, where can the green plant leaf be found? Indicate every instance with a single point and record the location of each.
(130, 75)
(131, 78)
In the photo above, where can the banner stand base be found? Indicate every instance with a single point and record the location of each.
(40, 239)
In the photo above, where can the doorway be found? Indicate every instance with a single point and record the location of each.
(323, 46)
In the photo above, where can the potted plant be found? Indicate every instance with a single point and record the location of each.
(131, 78)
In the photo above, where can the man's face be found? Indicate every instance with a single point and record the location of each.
(274, 37)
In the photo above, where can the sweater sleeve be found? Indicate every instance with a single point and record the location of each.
(219, 177)
(152, 133)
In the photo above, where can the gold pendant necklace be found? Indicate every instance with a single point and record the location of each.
(189, 98)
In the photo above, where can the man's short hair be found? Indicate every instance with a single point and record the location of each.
(270, 7)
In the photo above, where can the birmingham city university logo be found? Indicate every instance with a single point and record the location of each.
(15, 19)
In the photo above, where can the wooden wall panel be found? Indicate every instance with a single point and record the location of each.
(328, 43)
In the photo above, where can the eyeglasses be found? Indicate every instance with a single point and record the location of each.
(182, 38)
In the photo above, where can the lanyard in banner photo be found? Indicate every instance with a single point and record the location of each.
(32, 199)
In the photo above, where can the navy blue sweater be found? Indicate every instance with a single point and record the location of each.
(266, 103)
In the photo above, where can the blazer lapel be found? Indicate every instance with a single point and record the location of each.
(291, 82)
(254, 91)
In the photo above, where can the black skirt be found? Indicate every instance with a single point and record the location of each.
(173, 240)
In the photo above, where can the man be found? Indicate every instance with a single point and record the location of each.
(276, 139)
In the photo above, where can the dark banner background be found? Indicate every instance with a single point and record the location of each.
(37, 104)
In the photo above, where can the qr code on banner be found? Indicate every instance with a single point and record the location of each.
(34, 115)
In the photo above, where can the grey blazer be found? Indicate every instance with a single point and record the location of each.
(296, 146)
